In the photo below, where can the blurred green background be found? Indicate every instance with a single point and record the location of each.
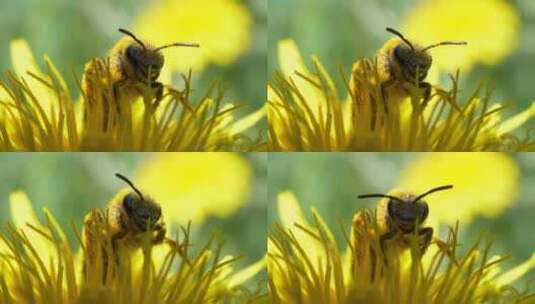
(342, 31)
(330, 182)
(73, 32)
(71, 184)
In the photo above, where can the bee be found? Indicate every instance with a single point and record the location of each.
(399, 215)
(132, 67)
(403, 67)
(129, 216)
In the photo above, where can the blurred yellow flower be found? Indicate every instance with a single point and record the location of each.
(221, 27)
(484, 184)
(194, 186)
(491, 28)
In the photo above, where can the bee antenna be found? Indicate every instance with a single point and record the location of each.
(126, 180)
(128, 33)
(441, 188)
(445, 43)
(393, 31)
(186, 44)
(380, 195)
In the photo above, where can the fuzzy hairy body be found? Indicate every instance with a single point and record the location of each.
(123, 226)
(395, 79)
(111, 234)
(399, 242)
(376, 239)
(113, 84)
(389, 82)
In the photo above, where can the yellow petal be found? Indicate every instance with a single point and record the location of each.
(517, 272)
(22, 214)
(247, 273)
(291, 63)
(247, 122)
(23, 62)
(289, 210)
(290, 59)
(290, 214)
(22, 58)
(516, 121)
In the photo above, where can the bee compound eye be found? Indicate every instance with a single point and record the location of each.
(424, 212)
(132, 53)
(128, 202)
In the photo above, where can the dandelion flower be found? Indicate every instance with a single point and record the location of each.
(491, 28)
(485, 183)
(298, 273)
(222, 28)
(39, 266)
(37, 113)
(195, 186)
(306, 113)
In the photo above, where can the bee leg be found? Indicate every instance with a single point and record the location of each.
(427, 234)
(181, 249)
(115, 244)
(160, 236)
(116, 86)
(382, 241)
(384, 86)
(158, 86)
(427, 92)
(106, 106)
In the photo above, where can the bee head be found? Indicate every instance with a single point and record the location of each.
(147, 60)
(414, 59)
(407, 211)
(415, 63)
(142, 210)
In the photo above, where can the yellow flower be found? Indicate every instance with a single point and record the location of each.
(306, 113)
(302, 254)
(491, 28)
(306, 266)
(484, 184)
(39, 266)
(221, 27)
(291, 217)
(194, 186)
(37, 113)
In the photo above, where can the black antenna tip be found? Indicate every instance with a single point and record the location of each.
(379, 195)
(130, 183)
(441, 188)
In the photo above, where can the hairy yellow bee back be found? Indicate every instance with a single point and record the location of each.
(121, 46)
(389, 46)
(117, 199)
